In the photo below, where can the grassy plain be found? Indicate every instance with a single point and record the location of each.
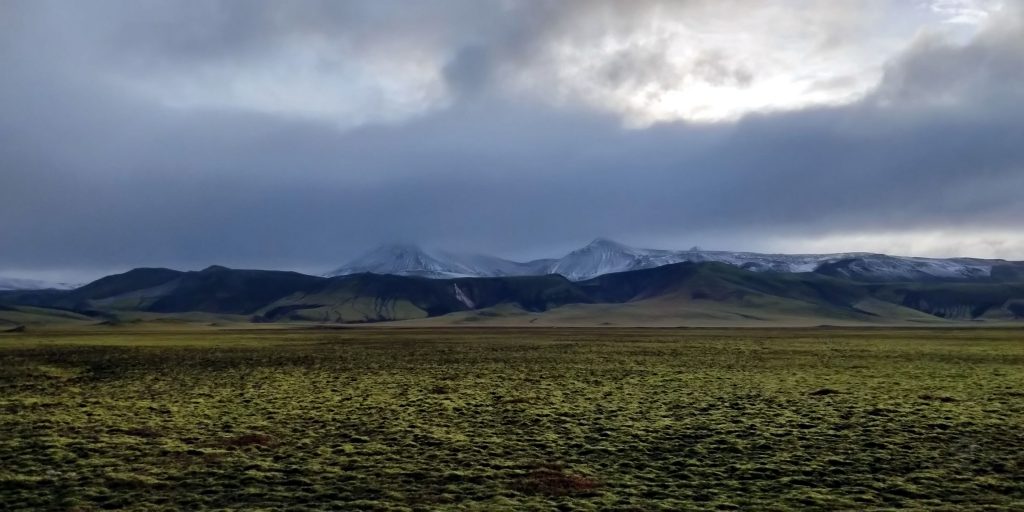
(512, 419)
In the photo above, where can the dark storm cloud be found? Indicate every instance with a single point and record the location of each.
(91, 177)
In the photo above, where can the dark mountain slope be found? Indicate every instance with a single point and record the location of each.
(222, 290)
(363, 298)
(532, 293)
(963, 301)
(1009, 272)
(81, 298)
(42, 298)
(709, 287)
(133, 280)
(375, 297)
(214, 290)
(720, 282)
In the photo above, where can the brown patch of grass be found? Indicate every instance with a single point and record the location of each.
(517, 400)
(554, 480)
(937, 398)
(824, 392)
(252, 439)
(144, 432)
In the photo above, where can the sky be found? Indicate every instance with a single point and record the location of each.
(298, 135)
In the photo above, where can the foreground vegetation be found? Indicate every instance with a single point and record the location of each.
(568, 419)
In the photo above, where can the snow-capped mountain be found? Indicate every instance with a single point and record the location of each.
(13, 283)
(603, 256)
(411, 260)
(403, 260)
(881, 267)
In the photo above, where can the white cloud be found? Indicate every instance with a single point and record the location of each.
(1004, 244)
(715, 61)
(967, 12)
(647, 61)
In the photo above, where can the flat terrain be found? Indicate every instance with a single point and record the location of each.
(512, 419)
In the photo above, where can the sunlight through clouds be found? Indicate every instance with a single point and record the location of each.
(645, 61)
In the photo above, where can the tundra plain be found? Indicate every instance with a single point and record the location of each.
(150, 417)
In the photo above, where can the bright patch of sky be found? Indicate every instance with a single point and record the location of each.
(697, 62)
(714, 62)
(929, 243)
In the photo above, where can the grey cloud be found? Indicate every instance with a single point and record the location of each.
(935, 72)
(715, 68)
(469, 71)
(91, 178)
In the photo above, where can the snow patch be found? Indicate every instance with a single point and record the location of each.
(461, 296)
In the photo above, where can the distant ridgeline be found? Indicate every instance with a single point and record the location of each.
(603, 256)
(672, 294)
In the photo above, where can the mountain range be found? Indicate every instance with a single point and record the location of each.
(604, 256)
(677, 294)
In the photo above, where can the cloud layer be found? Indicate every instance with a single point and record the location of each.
(297, 134)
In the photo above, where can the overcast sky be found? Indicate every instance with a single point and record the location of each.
(299, 134)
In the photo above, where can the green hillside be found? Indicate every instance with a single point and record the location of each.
(678, 294)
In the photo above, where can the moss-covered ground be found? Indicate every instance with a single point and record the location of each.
(505, 419)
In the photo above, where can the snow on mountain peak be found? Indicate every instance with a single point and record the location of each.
(411, 260)
(401, 259)
(603, 256)
(606, 243)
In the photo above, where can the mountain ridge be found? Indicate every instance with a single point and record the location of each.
(603, 256)
(674, 294)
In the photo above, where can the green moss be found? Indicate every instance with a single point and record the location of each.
(505, 419)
